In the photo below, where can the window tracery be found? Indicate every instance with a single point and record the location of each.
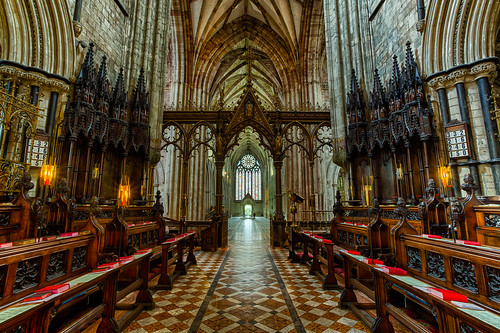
(248, 178)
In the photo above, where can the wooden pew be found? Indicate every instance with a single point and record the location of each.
(89, 298)
(488, 224)
(127, 229)
(323, 253)
(26, 268)
(133, 276)
(15, 216)
(470, 270)
(173, 252)
(359, 275)
(432, 211)
(206, 231)
(367, 229)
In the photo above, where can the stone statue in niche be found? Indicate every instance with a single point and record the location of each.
(248, 109)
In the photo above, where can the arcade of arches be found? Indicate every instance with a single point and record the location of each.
(284, 132)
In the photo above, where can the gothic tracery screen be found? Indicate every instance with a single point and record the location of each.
(248, 178)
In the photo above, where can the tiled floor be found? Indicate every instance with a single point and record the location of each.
(247, 288)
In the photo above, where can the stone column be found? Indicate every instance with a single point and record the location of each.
(312, 203)
(464, 113)
(484, 72)
(278, 225)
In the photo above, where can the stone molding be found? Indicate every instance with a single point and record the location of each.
(465, 73)
(34, 78)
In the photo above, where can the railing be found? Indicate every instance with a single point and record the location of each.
(315, 219)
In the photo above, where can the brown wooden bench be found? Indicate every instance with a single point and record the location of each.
(86, 301)
(34, 265)
(15, 215)
(92, 295)
(323, 253)
(173, 252)
(470, 270)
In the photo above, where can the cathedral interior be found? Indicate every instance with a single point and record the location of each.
(249, 166)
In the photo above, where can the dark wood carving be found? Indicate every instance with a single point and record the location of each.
(414, 258)
(356, 108)
(27, 274)
(435, 217)
(57, 265)
(467, 229)
(464, 274)
(435, 265)
(493, 283)
(393, 150)
(79, 258)
(104, 135)
(492, 220)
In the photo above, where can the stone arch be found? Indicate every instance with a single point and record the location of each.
(38, 34)
(459, 32)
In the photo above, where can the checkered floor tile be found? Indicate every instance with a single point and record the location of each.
(248, 287)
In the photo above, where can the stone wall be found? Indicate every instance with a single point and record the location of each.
(136, 41)
(366, 34)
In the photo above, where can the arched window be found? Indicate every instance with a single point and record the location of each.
(248, 178)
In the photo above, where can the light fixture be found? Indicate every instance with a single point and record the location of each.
(445, 175)
(124, 191)
(95, 174)
(47, 174)
(399, 172)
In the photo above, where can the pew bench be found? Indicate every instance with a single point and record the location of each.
(132, 277)
(470, 270)
(91, 296)
(14, 219)
(352, 235)
(52, 314)
(316, 252)
(32, 265)
(172, 258)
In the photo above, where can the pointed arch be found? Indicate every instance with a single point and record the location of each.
(459, 32)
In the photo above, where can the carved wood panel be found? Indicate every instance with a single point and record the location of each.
(414, 258)
(493, 283)
(79, 258)
(27, 274)
(57, 265)
(435, 265)
(464, 274)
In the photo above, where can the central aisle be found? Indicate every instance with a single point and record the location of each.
(247, 288)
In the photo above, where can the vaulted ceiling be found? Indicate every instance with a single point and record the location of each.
(227, 46)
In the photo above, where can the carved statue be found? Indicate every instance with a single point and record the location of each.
(248, 109)
(62, 187)
(457, 215)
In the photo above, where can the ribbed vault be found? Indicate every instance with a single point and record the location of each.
(277, 45)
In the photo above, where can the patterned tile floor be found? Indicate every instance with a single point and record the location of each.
(247, 288)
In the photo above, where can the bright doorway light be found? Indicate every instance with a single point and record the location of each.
(248, 210)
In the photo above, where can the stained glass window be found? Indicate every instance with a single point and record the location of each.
(248, 178)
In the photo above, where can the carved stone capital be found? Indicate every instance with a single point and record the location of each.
(458, 76)
(34, 78)
(486, 69)
(439, 82)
